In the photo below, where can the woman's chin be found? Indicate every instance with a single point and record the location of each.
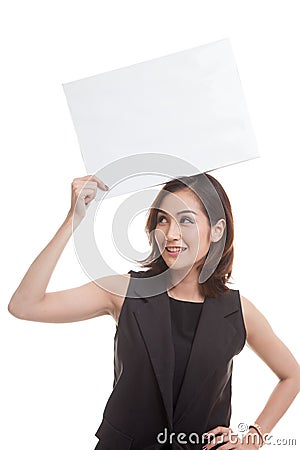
(177, 264)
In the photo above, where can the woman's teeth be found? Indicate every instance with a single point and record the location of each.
(175, 249)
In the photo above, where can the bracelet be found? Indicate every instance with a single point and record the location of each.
(260, 432)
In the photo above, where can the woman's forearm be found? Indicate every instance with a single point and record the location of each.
(279, 401)
(34, 283)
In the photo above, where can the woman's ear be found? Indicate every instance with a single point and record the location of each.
(218, 230)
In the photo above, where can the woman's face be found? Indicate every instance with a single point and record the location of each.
(182, 223)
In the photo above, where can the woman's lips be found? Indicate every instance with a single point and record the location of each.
(176, 253)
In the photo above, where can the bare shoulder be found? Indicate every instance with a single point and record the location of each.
(250, 313)
(256, 324)
(247, 306)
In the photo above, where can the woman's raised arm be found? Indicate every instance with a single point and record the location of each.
(30, 300)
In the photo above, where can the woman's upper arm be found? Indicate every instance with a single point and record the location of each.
(266, 344)
(92, 299)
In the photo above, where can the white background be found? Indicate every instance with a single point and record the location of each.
(56, 378)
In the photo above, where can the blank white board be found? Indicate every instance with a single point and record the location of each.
(187, 107)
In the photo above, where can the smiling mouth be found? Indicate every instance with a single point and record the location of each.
(175, 250)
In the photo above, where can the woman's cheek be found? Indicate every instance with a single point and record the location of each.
(159, 238)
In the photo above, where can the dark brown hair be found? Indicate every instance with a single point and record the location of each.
(215, 204)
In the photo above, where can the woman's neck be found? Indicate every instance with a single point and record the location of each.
(186, 289)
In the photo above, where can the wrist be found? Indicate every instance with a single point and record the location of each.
(67, 226)
(69, 218)
(72, 220)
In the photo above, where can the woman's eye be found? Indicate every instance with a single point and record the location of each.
(187, 219)
(159, 219)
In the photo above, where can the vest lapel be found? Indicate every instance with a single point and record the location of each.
(213, 336)
(154, 321)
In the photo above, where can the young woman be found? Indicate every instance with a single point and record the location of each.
(178, 324)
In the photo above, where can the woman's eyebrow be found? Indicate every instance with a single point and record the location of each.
(180, 212)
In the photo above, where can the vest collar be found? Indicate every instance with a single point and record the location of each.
(211, 344)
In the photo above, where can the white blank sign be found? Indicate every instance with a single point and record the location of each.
(189, 105)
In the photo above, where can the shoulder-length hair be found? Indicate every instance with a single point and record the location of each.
(215, 204)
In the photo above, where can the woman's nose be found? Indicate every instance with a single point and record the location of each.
(174, 231)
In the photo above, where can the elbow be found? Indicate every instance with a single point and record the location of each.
(14, 310)
(294, 378)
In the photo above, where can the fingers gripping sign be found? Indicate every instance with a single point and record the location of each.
(83, 191)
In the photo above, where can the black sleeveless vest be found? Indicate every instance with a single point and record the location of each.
(139, 413)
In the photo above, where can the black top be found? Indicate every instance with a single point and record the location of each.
(184, 319)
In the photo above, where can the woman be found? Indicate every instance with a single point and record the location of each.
(173, 348)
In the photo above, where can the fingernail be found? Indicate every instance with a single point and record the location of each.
(106, 187)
